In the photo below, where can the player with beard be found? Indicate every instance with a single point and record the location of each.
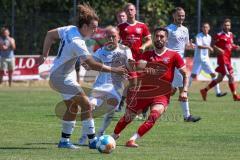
(223, 45)
(178, 40)
(155, 86)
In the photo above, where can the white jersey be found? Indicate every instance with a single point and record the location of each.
(178, 37)
(117, 57)
(71, 47)
(202, 40)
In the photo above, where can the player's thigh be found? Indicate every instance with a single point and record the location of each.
(178, 79)
(3, 64)
(196, 67)
(11, 64)
(66, 86)
(160, 108)
(98, 96)
(207, 67)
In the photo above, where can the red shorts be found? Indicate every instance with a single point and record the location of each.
(137, 105)
(225, 69)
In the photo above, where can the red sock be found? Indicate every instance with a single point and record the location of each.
(212, 84)
(122, 123)
(148, 124)
(232, 87)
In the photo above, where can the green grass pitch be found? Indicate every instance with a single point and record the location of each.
(29, 130)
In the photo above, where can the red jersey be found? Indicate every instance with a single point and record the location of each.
(132, 36)
(153, 86)
(169, 58)
(225, 42)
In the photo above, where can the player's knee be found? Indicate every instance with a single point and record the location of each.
(173, 91)
(231, 79)
(154, 115)
(213, 75)
(219, 79)
(193, 76)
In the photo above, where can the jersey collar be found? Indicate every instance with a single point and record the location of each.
(161, 53)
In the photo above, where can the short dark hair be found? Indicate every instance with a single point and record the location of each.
(205, 23)
(160, 29)
(227, 20)
(177, 9)
(127, 5)
(3, 29)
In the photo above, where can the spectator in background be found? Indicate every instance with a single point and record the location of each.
(121, 16)
(7, 60)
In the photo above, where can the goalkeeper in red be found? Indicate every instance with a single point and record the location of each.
(153, 86)
(223, 45)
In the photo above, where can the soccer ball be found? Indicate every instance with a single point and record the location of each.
(106, 144)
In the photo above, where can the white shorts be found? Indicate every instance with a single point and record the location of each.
(178, 79)
(67, 86)
(202, 65)
(104, 92)
(7, 64)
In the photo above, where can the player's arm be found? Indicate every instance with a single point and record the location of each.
(3, 46)
(217, 49)
(101, 67)
(146, 44)
(50, 39)
(147, 39)
(179, 63)
(12, 43)
(183, 95)
(189, 43)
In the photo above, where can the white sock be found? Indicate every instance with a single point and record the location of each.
(217, 88)
(83, 132)
(67, 128)
(89, 128)
(106, 121)
(185, 108)
(135, 137)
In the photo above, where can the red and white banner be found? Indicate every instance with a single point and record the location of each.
(26, 69)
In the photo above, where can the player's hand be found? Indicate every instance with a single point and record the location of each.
(191, 45)
(86, 66)
(121, 70)
(220, 51)
(41, 60)
(183, 96)
(142, 49)
(210, 49)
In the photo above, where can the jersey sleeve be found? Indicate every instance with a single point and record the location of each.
(61, 31)
(178, 61)
(96, 55)
(129, 54)
(146, 31)
(80, 48)
(187, 37)
(199, 41)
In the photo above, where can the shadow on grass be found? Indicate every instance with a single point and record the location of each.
(43, 143)
(20, 148)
